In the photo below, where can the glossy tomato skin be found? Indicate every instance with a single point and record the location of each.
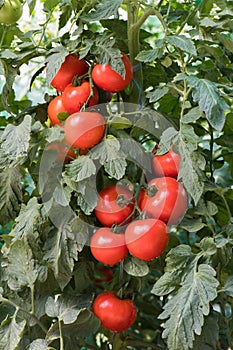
(54, 108)
(167, 164)
(108, 247)
(115, 314)
(109, 80)
(109, 211)
(146, 239)
(11, 11)
(84, 129)
(74, 97)
(64, 152)
(168, 204)
(71, 67)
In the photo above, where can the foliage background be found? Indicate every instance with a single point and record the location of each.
(183, 57)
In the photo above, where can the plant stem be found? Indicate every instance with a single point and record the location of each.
(61, 335)
(32, 288)
(19, 308)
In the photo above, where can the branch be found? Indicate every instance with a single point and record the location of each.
(146, 14)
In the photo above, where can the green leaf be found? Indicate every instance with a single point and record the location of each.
(107, 54)
(193, 115)
(107, 150)
(168, 137)
(104, 10)
(54, 62)
(87, 196)
(116, 167)
(27, 219)
(156, 94)
(11, 333)
(60, 252)
(20, 269)
(50, 4)
(15, 139)
(167, 283)
(66, 308)
(135, 267)
(185, 311)
(178, 260)
(208, 339)
(38, 344)
(150, 55)
(228, 286)
(208, 245)
(85, 325)
(189, 167)
(119, 122)
(152, 122)
(207, 208)
(207, 95)
(80, 232)
(10, 194)
(183, 43)
(192, 225)
(81, 168)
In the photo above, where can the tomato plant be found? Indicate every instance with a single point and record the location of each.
(163, 72)
(84, 129)
(167, 164)
(108, 247)
(70, 68)
(146, 239)
(10, 11)
(109, 80)
(74, 97)
(115, 314)
(115, 205)
(164, 199)
(54, 108)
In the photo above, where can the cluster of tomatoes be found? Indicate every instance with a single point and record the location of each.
(120, 230)
(162, 203)
(83, 129)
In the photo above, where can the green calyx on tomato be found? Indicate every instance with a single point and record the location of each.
(56, 109)
(108, 247)
(11, 11)
(115, 314)
(108, 79)
(109, 211)
(169, 203)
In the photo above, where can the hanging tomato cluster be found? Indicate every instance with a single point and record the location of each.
(127, 223)
(82, 129)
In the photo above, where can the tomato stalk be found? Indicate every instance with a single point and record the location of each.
(61, 335)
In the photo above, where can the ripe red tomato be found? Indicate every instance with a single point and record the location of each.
(168, 204)
(146, 239)
(115, 314)
(115, 204)
(84, 129)
(54, 108)
(108, 247)
(109, 80)
(71, 67)
(167, 164)
(74, 97)
(64, 152)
